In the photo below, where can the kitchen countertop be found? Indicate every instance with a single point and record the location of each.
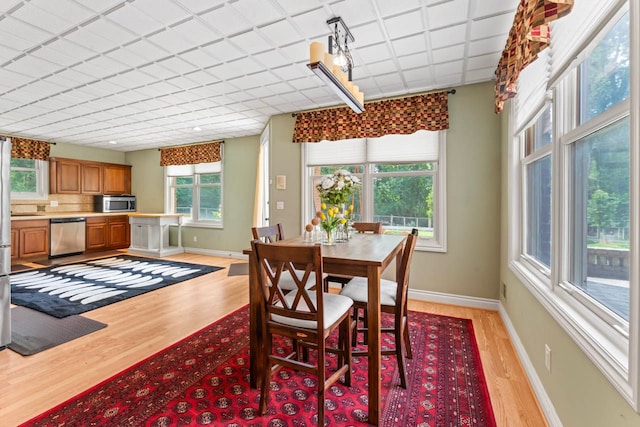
(48, 215)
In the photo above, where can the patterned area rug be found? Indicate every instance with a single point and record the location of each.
(70, 289)
(203, 380)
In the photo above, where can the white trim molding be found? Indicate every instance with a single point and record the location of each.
(453, 299)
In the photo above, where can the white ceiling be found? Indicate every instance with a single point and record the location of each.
(144, 73)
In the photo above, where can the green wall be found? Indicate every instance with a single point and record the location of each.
(82, 152)
(581, 395)
(240, 159)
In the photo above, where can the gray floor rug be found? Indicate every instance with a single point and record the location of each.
(33, 331)
(239, 269)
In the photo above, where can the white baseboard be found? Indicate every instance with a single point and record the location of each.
(462, 300)
(543, 398)
(213, 252)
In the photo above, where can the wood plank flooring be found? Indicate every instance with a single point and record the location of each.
(141, 326)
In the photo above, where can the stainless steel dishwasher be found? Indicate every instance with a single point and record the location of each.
(67, 236)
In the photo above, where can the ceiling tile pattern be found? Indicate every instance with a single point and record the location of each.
(145, 73)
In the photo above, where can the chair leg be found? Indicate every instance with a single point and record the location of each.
(346, 347)
(321, 384)
(407, 339)
(266, 376)
(400, 350)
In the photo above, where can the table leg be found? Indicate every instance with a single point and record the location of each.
(373, 313)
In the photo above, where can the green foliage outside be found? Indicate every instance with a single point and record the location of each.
(23, 176)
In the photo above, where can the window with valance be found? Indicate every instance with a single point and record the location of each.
(194, 182)
(29, 168)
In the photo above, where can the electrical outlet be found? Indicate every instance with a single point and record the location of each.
(547, 357)
(54, 203)
(195, 238)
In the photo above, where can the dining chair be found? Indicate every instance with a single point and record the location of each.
(273, 233)
(393, 299)
(360, 227)
(306, 315)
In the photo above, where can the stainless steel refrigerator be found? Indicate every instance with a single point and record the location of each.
(5, 242)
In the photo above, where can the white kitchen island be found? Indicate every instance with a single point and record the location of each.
(150, 234)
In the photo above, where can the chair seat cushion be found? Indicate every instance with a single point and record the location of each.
(335, 306)
(357, 290)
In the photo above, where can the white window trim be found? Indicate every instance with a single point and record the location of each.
(42, 177)
(615, 355)
(439, 242)
(168, 208)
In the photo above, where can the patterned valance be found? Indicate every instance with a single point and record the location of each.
(529, 35)
(23, 148)
(206, 152)
(393, 116)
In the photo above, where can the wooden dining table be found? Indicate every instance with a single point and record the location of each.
(364, 255)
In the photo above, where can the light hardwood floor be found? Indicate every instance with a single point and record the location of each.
(141, 326)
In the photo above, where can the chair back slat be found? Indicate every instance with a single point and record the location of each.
(277, 262)
(268, 234)
(368, 227)
(405, 265)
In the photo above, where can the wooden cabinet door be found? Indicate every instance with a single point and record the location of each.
(119, 236)
(116, 179)
(34, 241)
(91, 179)
(15, 242)
(97, 233)
(67, 177)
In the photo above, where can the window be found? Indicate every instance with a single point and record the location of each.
(571, 243)
(29, 179)
(537, 178)
(196, 192)
(402, 182)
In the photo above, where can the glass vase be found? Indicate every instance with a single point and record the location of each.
(330, 237)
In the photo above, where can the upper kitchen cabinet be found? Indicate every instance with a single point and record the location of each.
(71, 176)
(116, 179)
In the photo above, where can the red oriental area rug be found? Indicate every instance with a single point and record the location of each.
(204, 380)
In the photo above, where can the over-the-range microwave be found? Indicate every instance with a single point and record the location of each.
(123, 203)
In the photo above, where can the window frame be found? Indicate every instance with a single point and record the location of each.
(196, 187)
(42, 182)
(613, 348)
(436, 244)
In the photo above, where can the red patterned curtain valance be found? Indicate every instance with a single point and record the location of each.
(393, 116)
(529, 35)
(23, 148)
(206, 152)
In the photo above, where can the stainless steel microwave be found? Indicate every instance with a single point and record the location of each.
(124, 203)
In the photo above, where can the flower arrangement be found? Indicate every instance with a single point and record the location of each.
(337, 189)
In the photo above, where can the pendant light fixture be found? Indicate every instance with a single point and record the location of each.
(335, 66)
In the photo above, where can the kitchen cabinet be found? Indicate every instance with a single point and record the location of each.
(150, 234)
(107, 232)
(72, 176)
(30, 239)
(116, 179)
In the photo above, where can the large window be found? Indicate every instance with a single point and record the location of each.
(196, 192)
(29, 179)
(572, 243)
(402, 182)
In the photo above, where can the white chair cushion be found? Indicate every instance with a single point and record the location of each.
(287, 283)
(357, 290)
(334, 307)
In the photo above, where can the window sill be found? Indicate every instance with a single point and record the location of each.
(600, 342)
(202, 224)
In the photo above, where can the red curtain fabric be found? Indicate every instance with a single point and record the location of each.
(393, 116)
(529, 35)
(206, 152)
(23, 148)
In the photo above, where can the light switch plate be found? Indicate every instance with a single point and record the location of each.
(281, 182)
(280, 205)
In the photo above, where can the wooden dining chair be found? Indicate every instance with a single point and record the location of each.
(360, 227)
(273, 233)
(393, 299)
(305, 315)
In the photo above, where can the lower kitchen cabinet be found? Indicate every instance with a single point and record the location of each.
(107, 232)
(30, 239)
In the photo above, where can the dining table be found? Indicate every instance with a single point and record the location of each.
(363, 255)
